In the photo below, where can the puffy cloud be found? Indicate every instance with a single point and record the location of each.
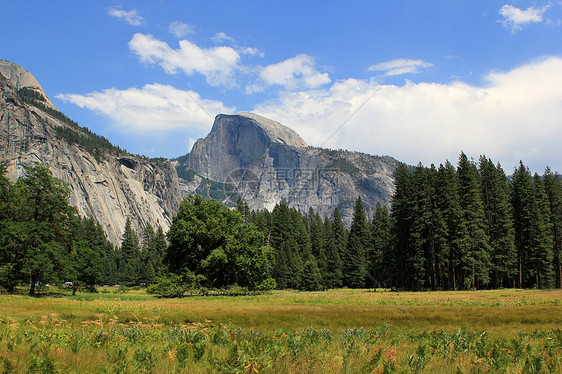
(180, 29)
(400, 66)
(515, 116)
(131, 16)
(217, 64)
(152, 109)
(294, 73)
(514, 18)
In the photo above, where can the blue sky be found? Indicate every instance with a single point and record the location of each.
(417, 80)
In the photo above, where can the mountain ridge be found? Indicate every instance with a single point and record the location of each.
(109, 184)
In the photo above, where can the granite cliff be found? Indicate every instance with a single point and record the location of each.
(106, 183)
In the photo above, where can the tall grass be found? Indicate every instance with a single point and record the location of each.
(284, 332)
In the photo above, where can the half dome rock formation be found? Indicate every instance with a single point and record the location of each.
(264, 162)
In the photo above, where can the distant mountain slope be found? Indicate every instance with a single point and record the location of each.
(263, 162)
(106, 183)
(244, 155)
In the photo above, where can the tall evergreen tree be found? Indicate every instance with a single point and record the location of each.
(499, 223)
(541, 256)
(401, 208)
(318, 241)
(522, 202)
(476, 263)
(333, 275)
(339, 233)
(381, 247)
(553, 187)
(354, 263)
(129, 256)
(457, 243)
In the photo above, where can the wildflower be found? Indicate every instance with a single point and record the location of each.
(391, 356)
(251, 368)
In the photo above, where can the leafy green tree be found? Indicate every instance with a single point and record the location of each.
(211, 240)
(48, 240)
(15, 229)
(355, 260)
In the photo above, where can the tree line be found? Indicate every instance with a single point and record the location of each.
(44, 241)
(448, 228)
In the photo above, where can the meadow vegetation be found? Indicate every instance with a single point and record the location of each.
(337, 331)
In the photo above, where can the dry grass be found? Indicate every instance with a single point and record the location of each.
(284, 332)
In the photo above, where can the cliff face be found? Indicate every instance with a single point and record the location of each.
(108, 187)
(264, 162)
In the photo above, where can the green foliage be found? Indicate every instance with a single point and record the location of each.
(209, 239)
(355, 259)
(470, 228)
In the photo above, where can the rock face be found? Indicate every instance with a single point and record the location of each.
(108, 187)
(18, 77)
(264, 162)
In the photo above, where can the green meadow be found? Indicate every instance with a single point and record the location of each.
(337, 331)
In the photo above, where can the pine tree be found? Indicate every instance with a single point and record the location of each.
(541, 255)
(401, 211)
(457, 239)
(339, 233)
(333, 275)
(318, 242)
(129, 256)
(476, 262)
(420, 216)
(522, 202)
(381, 247)
(354, 263)
(553, 187)
(499, 222)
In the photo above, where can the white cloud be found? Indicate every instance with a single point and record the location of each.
(217, 64)
(251, 51)
(400, 66)
(152, 109)
(294, 73)
(514, 18)
(221, 37)
(131, 16)
(180, 29)
(515, 116)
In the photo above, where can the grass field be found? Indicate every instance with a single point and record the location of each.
(339, 331)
